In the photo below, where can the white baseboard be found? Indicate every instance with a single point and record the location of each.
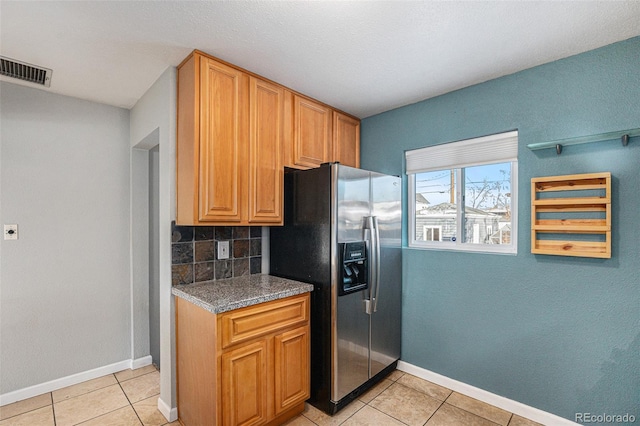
(74, 379)
(171, 414)
(507, 404)
(141, 362)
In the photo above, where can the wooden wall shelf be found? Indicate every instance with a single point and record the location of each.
(583, 223)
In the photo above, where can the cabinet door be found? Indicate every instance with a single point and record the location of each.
(266, 180)
(311, 133)
(346, 140)
(291, 359)
(223, 142)
(244, 385)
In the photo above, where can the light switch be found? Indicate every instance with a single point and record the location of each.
(223, 249)
(11, 232)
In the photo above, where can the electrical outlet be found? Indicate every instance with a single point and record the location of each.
(10, 232)
(223, 249)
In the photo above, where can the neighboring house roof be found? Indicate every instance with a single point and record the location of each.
(448, 208)
(421, 199)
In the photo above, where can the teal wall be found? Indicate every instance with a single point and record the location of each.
(556, 333)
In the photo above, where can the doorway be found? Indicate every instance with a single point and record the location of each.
(154, 254)
(145, 252)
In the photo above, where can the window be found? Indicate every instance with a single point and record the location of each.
(463, 195)
(431, 233)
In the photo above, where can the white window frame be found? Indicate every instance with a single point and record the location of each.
(458, 156)
(424, 232)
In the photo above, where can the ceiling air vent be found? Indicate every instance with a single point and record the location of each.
(26, 72)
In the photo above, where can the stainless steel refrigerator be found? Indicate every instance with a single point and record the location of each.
(342, 233)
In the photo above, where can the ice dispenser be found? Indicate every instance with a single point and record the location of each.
(354, 267)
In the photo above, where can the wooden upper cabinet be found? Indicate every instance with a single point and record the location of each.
(237, 132)
(229, 151)
(346, 139)
(311, 145)
(223, 142)
(266, 133)
(316, 134)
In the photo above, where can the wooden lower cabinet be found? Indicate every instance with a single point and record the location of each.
(291, 369)
(244, 385)
(246, 367)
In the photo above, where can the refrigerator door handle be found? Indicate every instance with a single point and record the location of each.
(376, 255)
(369, 236)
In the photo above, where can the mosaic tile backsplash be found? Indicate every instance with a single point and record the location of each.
(194, 252)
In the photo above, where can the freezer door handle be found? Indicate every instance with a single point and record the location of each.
(369, 237)
(372, 235)
(376, 255)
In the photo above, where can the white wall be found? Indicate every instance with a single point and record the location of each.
(156, 111)
(65, 283)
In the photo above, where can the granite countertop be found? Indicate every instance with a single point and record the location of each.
(233, 293)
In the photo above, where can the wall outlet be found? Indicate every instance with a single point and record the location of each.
(223, 249)
(10, 232)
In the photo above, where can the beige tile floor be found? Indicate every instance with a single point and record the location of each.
(402, 399)
(130, 397)
(127, 398)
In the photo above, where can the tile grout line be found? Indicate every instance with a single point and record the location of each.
(386, 414)
(477, 415)
(441, 404)
(353, 414)
(368, 404)
(52, 403)
(469, 412)
(108, 412)
(119, 408)
(29, 411)
(53, 409)
(308, 417)
(127, 396)
(460, 408)
(135, 377)
(417, 390)
(434, 412)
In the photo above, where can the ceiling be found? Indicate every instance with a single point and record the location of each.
(363, 57)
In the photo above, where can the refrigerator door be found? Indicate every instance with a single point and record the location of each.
(386, 207)
(351, 337)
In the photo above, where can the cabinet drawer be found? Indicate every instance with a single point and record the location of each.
(247, 323)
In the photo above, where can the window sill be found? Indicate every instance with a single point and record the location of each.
(466, 248)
